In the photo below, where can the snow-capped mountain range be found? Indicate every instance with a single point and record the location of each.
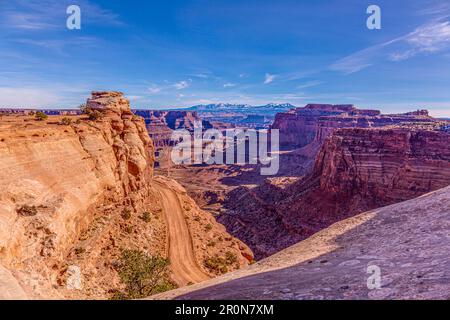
(268, 109)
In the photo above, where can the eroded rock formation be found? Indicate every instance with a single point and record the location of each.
(356, 170)
(315, 122)
(74, 194)
(160, 124)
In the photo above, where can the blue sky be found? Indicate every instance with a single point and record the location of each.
(181, 53)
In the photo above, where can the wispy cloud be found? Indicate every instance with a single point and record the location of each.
(229, 85)
(26, 97)
(154, 89)
(430, 38)
(309, 84)
(181, 85)
(29, 15)
(269, 78)
(60, 45)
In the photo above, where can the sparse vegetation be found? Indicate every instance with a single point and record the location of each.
(66, 121)
(126, 214)
(79, 251)
(211, 244)
(146, 217)
(218, 264)
(129, 229)
(208, 227)
(27, 211)
(94, 115)
(40, 116)
(230, 257)
(143, 275)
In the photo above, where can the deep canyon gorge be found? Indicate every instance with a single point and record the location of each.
(79, 192)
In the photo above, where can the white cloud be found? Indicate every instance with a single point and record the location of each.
(154, 89)
(309, 84)
(50, 14)
(429, 38)
(269, 78)
(27, 98)
(181, 85)
(229, 85)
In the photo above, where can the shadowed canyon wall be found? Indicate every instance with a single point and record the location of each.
(356, 170)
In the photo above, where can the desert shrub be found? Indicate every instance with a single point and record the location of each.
(84, 109)
(146, 217)
(216, 264)
(79, 251)
(94, 115)
(27, 211)
(40, 116)
(143, 275)
(230, 257)
(211, 244)
(66, 121)
(208, 227)
(129, 229)
(126, 214)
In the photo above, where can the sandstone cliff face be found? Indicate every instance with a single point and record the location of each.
(160, 124)
(64, 189)
(384, 165)
(63, 173)
(315, 122)
(356, 170)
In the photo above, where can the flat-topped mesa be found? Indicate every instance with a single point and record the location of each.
(417, 113)
(329, 107)
(315, 122)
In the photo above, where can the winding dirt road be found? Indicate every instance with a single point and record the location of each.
(180, 249)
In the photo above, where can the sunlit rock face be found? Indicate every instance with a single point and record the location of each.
(356, 170)
(315, 122)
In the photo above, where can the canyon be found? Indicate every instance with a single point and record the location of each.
(315, 122)
(73, 194)
(356, 170)
(77, 193)
(408, 242)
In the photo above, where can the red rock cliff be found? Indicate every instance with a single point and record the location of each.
(356, 170)
(315, 122)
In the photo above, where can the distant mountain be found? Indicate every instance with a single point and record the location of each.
(268, 109)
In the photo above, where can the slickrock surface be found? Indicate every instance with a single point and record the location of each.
(408, 241)
(356, 170)
(64, 189)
